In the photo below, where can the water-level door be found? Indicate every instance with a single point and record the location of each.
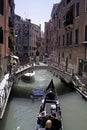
(80, 69)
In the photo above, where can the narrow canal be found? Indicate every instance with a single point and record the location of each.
(21, 112)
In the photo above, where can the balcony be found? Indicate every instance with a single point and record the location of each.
(68, 23)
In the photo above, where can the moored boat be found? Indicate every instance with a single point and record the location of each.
(37, 93)
(28, 76)
(49, 117)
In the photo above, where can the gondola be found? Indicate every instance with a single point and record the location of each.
(50, 104)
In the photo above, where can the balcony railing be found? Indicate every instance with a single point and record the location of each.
(68, 21)
(69, 18)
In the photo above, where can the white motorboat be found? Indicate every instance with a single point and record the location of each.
(29, 75)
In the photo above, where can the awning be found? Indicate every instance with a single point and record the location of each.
(84, 42)
(15, 57)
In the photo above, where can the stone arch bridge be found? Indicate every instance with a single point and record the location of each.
(64, 76)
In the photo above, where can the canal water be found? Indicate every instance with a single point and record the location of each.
(21, 112)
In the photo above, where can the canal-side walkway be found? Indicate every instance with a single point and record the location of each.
(5, 88)
(80, 84)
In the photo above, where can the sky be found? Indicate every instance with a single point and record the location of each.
(39, 11)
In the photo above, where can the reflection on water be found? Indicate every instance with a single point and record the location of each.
(74, 112)
(21, 112)
(42, 79)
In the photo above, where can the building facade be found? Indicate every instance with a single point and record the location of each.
(22, 38)
(42, 47)
(27, 39)
(35, 41)
(69, 20)
(6, 33)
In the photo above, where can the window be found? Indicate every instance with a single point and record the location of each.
(59, 23)
(85, 5)
(86, 33)
(62, 55)
(67, 39)
(70, 42)
(53, 16)
(0, 59)
(77, 36)
(1, 6)
(67, 1)
(70, 56)
(77, 9)
(25, 24)
(1, 35)
(16, 32)
(17, 24)
(10, 44)
(59, 54)
(64, 3)
(86, 54)
(59, 40)
(10, 24)
(9, 2)
(47, 40)
(63, 40)
(64, 18)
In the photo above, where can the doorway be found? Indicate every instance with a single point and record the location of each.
(80, 69)
(66, 67)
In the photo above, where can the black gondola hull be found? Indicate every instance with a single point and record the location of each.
(50, 104)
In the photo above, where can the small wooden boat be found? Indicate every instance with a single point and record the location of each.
(50, 105)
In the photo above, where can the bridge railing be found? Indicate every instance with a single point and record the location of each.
(62, 68)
